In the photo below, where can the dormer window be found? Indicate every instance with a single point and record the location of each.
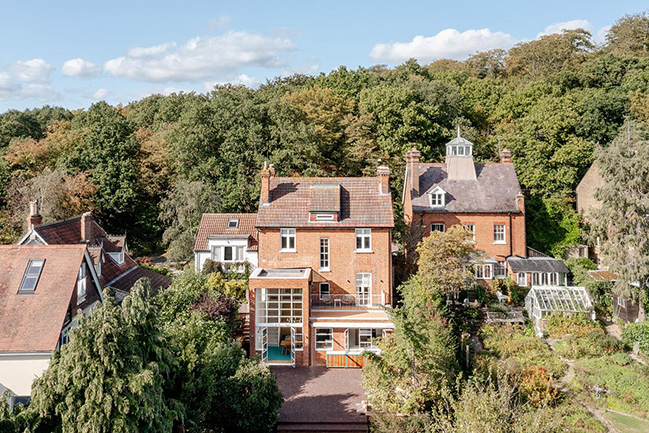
(233, 224)
(32, 275)
(438, 197)
(324, 217)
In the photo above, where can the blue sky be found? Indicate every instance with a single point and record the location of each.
(74, 53)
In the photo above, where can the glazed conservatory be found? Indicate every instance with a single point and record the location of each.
(542, 301)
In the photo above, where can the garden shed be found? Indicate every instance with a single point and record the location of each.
(542, 301)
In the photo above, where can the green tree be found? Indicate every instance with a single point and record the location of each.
(622, 222)
(181, 212)
(630, 35)
(112, 376)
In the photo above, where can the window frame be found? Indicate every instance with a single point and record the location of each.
(438, 225)
(330, 341)
(324, 217)
(499, 265)
(33, 275)
(360, 280)
(480, 273)
(471, 230)
(524, 279)
(328, 291)
(288, 234)
(237, 250)
(325, 255)
(497, 234)
(365, 238)
(236, 223)
(81, 284)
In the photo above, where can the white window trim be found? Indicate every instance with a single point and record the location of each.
(327, 217)
(288, 233)
(331, 342)
(482, 275)
(236, 223)
(504, 241)
(437, 193)
(328, 267)
(521, 276)
(326, 283)
(81, 284)
(369, 293)
(361, 233)
(621, 302)
(234, 255)
(466, 227)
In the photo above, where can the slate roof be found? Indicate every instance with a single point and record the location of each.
(537, 264)
(32, 322)
(495, 189)
(361, 204)
(216, 224)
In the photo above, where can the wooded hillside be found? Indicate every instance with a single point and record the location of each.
(159, 162)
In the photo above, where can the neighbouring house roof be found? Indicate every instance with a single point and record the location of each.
(361, 203)
(603, 275)
(324, 197)
(494, 190)
(67, 231)
(32, 322)
(128, 279)
(537, 264)
(216, 224)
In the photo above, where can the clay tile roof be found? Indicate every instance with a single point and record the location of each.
(361, 204)
(128, 280)
(114, 244)
(216, 224)
(494, 190)
(66, 231)
(603, 275)
(324, 198)
(32, 322)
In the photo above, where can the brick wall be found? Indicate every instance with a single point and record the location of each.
(344, 262)
(484, 230)
(586, 201)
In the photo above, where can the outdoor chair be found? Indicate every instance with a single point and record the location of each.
(348, 300)
(502, 297)
(327, 300)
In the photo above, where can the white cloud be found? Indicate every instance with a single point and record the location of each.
(31, 71)
(80, 68)
(566, 25)
(27, 80)
(221, 21)
(100, 94)
(600, 36)
(448, 43)
(242, 79)
(156, 50)
(202, 59)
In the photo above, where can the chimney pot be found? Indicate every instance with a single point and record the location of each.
(505, 156)
(35, 219)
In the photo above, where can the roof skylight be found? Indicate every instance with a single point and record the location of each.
(32, 275)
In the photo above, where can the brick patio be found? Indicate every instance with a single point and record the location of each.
(320, 399)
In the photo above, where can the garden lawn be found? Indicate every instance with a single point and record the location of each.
(626, 382)
(627, 424)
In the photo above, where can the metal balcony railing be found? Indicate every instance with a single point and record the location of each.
(348, 301)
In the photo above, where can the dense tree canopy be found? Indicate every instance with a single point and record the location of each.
(551, 101)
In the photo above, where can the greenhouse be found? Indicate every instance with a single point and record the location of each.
(542, 301)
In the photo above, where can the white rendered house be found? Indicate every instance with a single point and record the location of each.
(226, 239)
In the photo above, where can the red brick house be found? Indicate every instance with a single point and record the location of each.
(42, 287)
(324, 275)
(485, 198)
(112, 262)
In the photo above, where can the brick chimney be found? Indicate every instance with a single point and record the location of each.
(520, 202)
(266, 174)
(505, 156)
(412, 158)
(35, 219)
(86, 227)
(383, 174)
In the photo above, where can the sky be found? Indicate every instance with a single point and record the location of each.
(75, 53)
